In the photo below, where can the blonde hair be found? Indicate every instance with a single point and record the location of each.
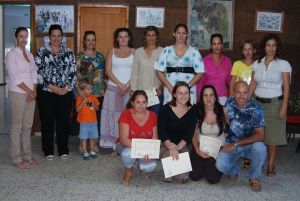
(83, 84)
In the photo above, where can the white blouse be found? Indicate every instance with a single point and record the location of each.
(269, 80)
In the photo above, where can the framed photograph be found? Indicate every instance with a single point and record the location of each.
(45, 15)
(206, 17)
(150, 16)
(267, 21)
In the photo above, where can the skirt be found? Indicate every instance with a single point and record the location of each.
(113, 105)
(275, 133)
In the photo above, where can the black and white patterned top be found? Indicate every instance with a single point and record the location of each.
(57, 70)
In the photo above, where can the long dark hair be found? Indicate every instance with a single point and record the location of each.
(218, 109)
(263, 43)
(85, 35)
(116, 35)
(133, 97)
(180, 84)
(148, 29)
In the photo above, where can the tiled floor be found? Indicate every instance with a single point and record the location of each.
(99, 179)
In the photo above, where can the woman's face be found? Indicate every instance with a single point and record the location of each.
(151, 38)
(182, 95)
(123, 39)
(90, 42)
(55, 37)
(271, 47)
(216, 45)
(140, 103)
(248, 51)
(209, 97)
(22, 38)
(181, 35)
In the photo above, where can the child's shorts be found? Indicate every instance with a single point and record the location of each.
(88, 131)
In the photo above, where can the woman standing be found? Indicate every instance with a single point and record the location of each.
(218, 68)
(242, 69)
(136, 122)
(271, 85)
(180, 62)
(176, 126)
(211, 123)
(56, 79)
(143, 75)
(22, 80)
(118, 66)
(90, 66)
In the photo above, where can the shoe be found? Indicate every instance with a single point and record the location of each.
(271, 172)
(32, 162)
(127, 176)
(93, 155)
(168, 180)
(86, 156)
(50, 157)
(21, 165)
(96, 148)
(232, 178)
(64, 156)
(255, 185)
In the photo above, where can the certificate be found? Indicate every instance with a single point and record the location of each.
(175, 167)
(142, 147)
(152, 97)
(210, 144)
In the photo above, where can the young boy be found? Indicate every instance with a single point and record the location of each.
(86, 106)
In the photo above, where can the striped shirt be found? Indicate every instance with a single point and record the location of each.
(269, 80)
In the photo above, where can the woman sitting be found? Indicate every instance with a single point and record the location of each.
(210, 123)
(136, 122)
(176, 126)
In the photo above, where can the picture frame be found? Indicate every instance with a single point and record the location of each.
(45, 15)
(269, 21)
(150, 16)
(209, 17)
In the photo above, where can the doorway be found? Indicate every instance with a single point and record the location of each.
(104, 20)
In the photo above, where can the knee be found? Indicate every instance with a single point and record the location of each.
(221, 164)
(213, 180)
(125, 153)
(194, 176)
(259, 148)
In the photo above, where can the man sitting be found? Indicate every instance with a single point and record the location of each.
(245, 138)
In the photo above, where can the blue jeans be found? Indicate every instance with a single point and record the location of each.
(129, 162)
(156, 108)
(227, 162)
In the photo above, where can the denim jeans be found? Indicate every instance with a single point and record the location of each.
(129, 162)
(227, 162)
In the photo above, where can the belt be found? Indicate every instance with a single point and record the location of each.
(181, 70)
(269, 100)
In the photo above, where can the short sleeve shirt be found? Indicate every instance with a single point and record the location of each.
(241, 71)
(242, 122)
(87, 114)
(136, 131)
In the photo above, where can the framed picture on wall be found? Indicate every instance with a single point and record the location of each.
(206, 17)
(45, 15)
(268, 21)
(150, 16)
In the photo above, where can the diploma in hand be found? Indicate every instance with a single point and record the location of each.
(175, 167)
(142, 147)
(209, 144)
(152, 97)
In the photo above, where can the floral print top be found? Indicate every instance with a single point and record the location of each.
(92, 68)
(59, 70)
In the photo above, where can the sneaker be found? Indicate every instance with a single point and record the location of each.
(86, 156)
(93, 155)
(50, 157)
(64, 156)
(255, 185)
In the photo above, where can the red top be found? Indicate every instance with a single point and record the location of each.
(136, 131)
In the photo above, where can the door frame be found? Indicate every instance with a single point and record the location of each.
(98, 5)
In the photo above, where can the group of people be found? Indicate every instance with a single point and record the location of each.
(196, 97)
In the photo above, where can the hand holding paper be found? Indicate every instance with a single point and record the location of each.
(142, 147)
(175, 167)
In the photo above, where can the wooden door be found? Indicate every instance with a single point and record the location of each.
(103, 19)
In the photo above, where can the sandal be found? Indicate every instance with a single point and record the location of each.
(168, 180)
(21, 165)
(255, 185)
(246, 164)
(127, 176)
(32, 162)
(271, 172)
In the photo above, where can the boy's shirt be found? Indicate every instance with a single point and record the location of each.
(87, 114)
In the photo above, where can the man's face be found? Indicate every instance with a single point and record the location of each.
(241, 94)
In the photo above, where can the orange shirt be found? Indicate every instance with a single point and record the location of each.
(87, 114)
